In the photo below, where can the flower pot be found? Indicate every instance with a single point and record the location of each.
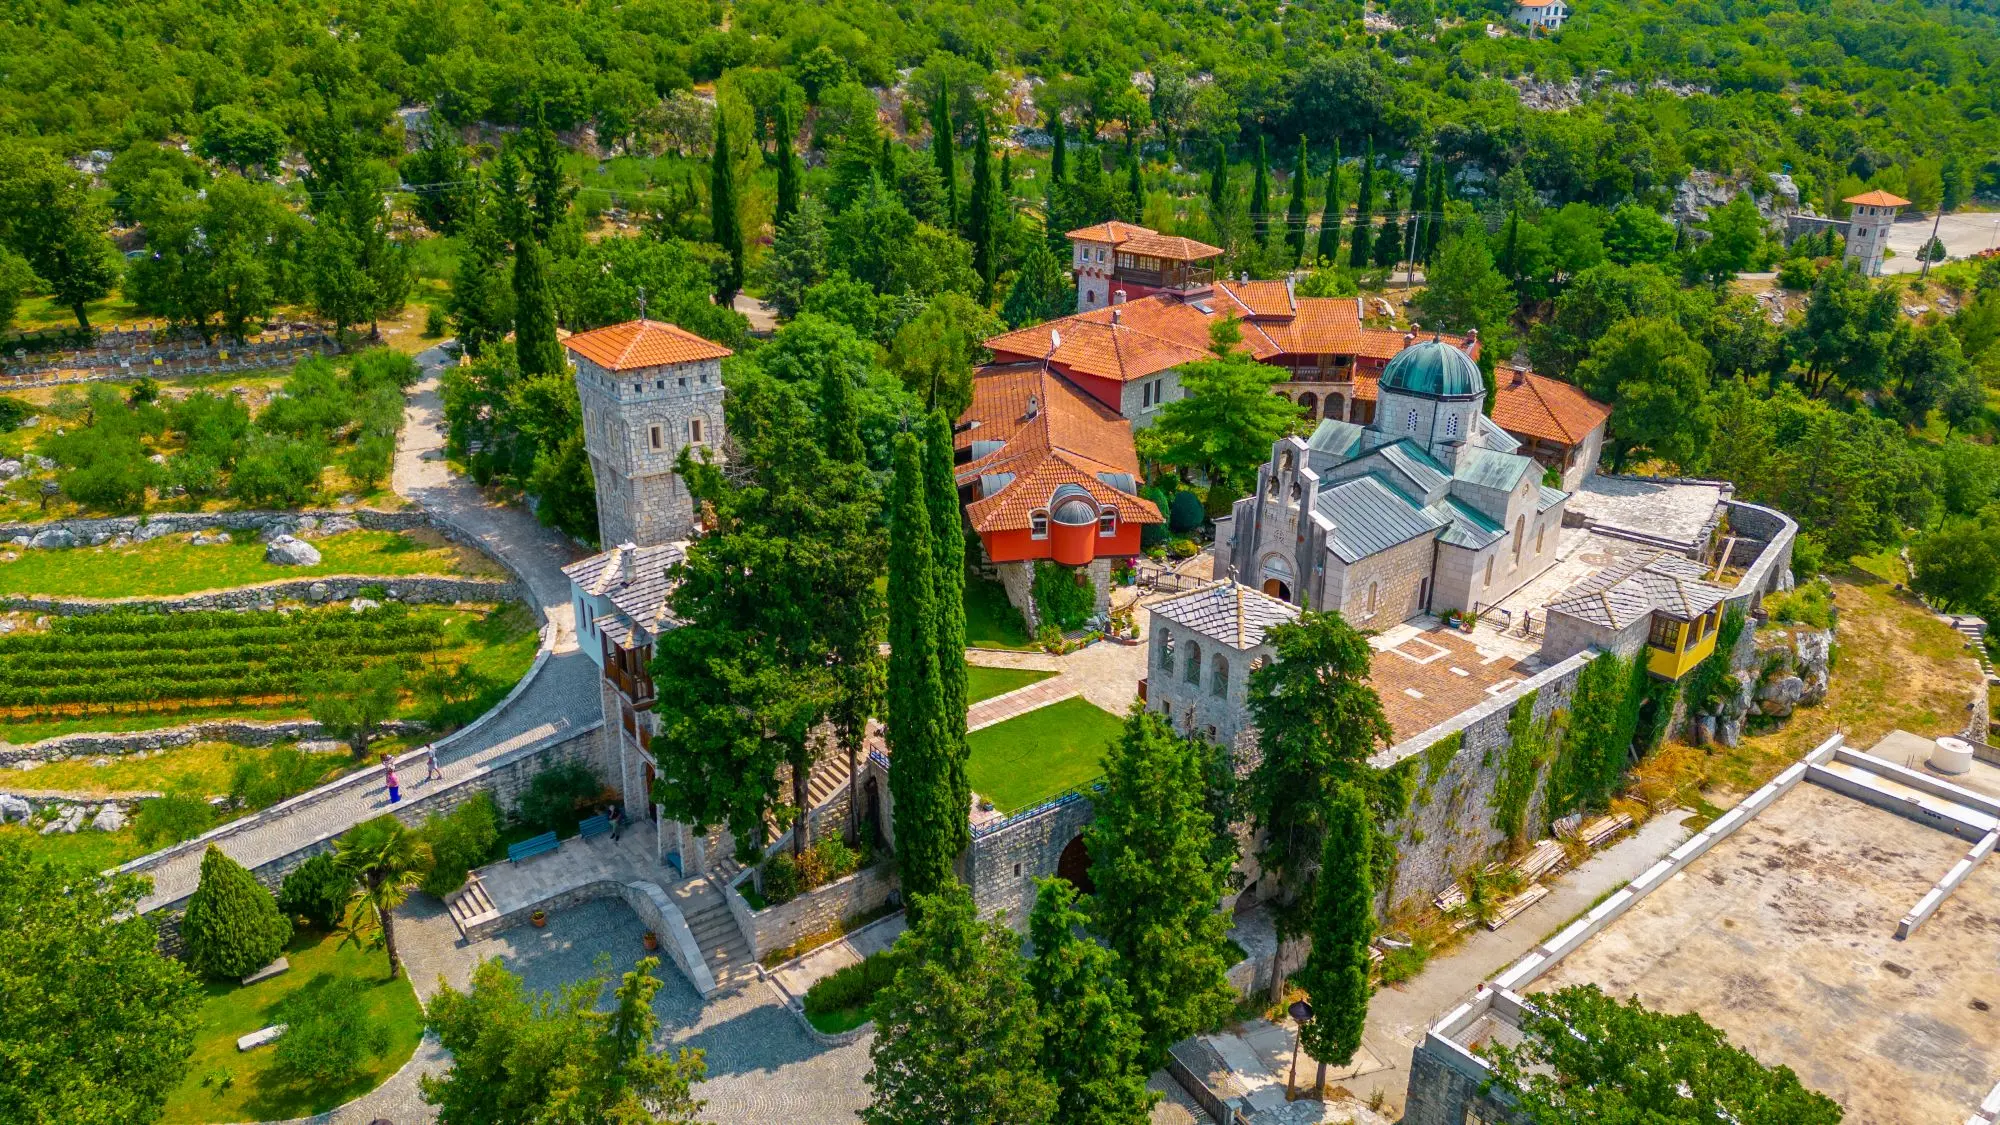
(540, 918)
(651, 940)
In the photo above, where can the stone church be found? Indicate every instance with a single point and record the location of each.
(1429, 507)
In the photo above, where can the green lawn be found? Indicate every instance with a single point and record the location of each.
(991, 621)
(170, 565)
(985, 683)
(96, 850)
(253, 1092)
(841, 1019)
(1032, 757)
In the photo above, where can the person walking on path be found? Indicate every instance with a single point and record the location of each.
(431, 770)
(389, 776)
(617, 818)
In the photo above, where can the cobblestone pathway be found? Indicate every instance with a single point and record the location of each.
(561, 698)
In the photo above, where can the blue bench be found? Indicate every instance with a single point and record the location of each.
(526, 849)
(596, 826)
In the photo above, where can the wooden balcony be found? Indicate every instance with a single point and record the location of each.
(637, 689)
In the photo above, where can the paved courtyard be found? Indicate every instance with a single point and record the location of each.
(1963, 234)
(1677, 512)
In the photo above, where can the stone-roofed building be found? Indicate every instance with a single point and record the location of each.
(1656, 601)
(1202, 648)
(1048, 472)
(648, 390)
(1430, 507)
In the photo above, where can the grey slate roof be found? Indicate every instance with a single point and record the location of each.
(1464, 525)
(1649, 583)
(1550, 497)
(1490, 433)
(641, 601)
(1370, 516)
(1228, 612)
(1487, 468)
(1409, 458)
(1338, 437)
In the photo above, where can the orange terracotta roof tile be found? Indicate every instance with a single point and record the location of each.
(1260, 298)
(1546, 408)
(1171, 247)
(1068, 438)
(1114, 232)
(1877, 198)
(642, 343)
(1123, 342)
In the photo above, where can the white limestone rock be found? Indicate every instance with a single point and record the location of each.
(110, 818)
(287, 550)
(53, 538)
(14, 808)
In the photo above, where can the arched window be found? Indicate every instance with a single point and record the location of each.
(1520, 537)
(1271, 486)
(1166, 652)
(1293, 499)
(1541, 532)
(1489, 570)
(1218, 676)
(1411, 423)
(1194, 664)
(1285, 460)
(1309, 405)
(1038, 525)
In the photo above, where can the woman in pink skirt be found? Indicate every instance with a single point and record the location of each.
(389, 775)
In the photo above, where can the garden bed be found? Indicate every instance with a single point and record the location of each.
(1033, 757)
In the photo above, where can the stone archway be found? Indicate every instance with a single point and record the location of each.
(1073, 866)
(1276, 573)
(1309, 406)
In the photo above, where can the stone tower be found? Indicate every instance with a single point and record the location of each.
(649, 390)
(1868, 223)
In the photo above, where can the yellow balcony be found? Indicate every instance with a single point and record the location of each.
(1691, 643)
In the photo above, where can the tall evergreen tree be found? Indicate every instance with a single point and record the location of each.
(1260, 196)
(1420, 209)
(1364, 203)
(919, 765)
(232, 927)
(550, 189)
(944, 143)
(1007, 175)
(839, 417)
(1389, 241)
(1135, 185)
(956, 1033)
(1042, 290)
(1335, 975)
(1058, 150)
(1159, 878)
(1329, 216)
(724, 221)
(1318, 720)
(788, 168)
(948, 555)
(481, 305)
(1218, 183)
(1508, 261)
(982, 214)
(1439, 181)
(536, 349)
(1295, 215)
(1091, 1039)
(885, 164)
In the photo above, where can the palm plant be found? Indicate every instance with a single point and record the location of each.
(386, 859)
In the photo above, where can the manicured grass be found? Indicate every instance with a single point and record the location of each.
(98, 851)
(840, 1019)
(985, 683)
(171, 565)
(1035, 756)
(254, 1091)
(991, 621)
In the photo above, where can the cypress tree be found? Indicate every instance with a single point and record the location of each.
(885, 165)
(535, 343)
(1007, 174)
(1389, 243)
(725, 227)
(948, 557)
(1058, 151)
(1090, 1049)
(1295, 216)
(1329, 217)
(982, 217)
(232, 927)
(942, 142)
(481, 302)
(1135, 186)
(1364, 233)
(1218, 183)
(1439, 182)
(839, 418)
(1335, 974)
(919, 783)
(788, 169)
(1509, 261)
(1260, 196)
(1420, 209)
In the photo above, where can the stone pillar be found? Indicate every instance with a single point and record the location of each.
(1099, 572)
(1018, 579)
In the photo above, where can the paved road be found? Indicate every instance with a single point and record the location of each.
(562, 697)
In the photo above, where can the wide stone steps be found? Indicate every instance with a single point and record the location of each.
(829, 776)
(721, 942)
(471, 905)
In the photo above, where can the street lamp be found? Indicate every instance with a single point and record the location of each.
(1302, 1014)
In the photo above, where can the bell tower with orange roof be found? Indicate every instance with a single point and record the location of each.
(649, 390)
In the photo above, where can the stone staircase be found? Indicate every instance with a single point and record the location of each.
(471, 905)
(723, 947)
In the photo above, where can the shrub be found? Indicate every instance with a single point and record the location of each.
(1185, 512)
(1154, 534)
(317, 891)
(232, 927)
(368, 462)
(556, 794)
(781, 878)
(1808, 557)
(182, 814)
(279, 470)
(1064, 597)
(13, 412)
(854, 986)
(264, 779)
(459, 840)
(435, 323)
(329, 1035)
(1810, 604)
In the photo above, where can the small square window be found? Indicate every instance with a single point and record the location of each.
(1107, 523)
(1017, 871)
(684, 381)
(1038, 525)
(654, 437)
(659, 384)
(637, 387)
(694, 430)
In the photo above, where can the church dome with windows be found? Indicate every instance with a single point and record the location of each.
(1434, 369)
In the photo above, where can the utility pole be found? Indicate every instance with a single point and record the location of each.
(1924, 251)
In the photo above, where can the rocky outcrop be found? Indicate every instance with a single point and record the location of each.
(1779, 669)
(289, 550)
(139, 529)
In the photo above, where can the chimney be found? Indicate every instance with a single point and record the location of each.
(1520, 376)
(1118, 297)
(1114, 313)
(1409, 338)
(1034, 406)
(628, 562)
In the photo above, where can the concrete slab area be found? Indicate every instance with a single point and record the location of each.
(1663, 509)
(1783, 936)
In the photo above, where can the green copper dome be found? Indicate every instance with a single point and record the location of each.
(1433, 369)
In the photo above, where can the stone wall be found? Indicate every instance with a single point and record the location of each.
(1443, 1089)
(1770, 533)
(88, 531)
(815, 911)
(416, 591)
(239, 731)
(1395, 577)
(648, 901)
(1005, 859)
(1197, 706)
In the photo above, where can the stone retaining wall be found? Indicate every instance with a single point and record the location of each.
(239, 731)
(413, 590)
(814, 911)
(156, 524)
(655, 910)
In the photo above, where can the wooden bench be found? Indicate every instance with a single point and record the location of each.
(527, 849)
(598, 825)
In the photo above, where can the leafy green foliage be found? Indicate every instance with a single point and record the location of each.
(353, 705)
(383, 857)
(1520, 767)
(854, 986)
(1064, 596)
(232, 927)
(556, 796)
(1184, 512)
(1958, 565)
(459, 841)
(96, 1025)
(181, 813)
(921, 782)
(1224, 422)
(317, 890)
(330, 1035)
(1587, 1056)
(1336, 973)
(262, 779)
(1091, 1044)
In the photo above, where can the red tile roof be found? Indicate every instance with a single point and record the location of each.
(1135, 239)
(642, 343)
(1877, 198)
(1113, 232)
(1068, 438)
(1546, 408)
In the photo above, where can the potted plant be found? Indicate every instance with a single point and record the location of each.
(540, 918)
(650, 940)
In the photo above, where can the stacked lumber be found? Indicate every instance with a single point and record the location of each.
(1514, 906)
(1545, 857)
(1604, 828)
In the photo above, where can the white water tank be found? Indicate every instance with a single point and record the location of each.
(1953, 755)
